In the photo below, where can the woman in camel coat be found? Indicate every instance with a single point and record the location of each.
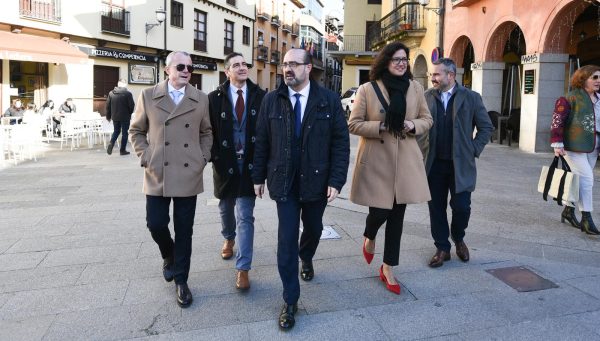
(389, 170)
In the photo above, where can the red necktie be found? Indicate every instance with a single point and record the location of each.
(239, 106)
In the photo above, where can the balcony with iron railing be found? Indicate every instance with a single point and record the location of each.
(115, 20)
(275, 57)
(356, 43)
(295, 30)
(286, 28)
(262, 15)
(275, 21)
(48, 10)
(262, 53)
(404, 21)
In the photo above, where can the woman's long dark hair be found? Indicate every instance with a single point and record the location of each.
(49, 104)
(381, 62)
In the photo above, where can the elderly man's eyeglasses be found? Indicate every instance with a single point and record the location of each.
(595, 77)
(292, 65)
(397, 60)
(181, 67)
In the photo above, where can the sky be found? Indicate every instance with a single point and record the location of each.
(335, 7)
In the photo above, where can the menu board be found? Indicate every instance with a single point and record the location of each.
(529, 80)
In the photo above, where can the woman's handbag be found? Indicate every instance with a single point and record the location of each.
(559, 183)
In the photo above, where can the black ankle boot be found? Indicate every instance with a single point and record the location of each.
(568, 214)
(587, 224)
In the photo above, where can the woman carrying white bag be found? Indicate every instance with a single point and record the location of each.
(575, 134)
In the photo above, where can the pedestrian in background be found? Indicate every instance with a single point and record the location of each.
(302, 150)
(451, 150)
(234, 110)
(119, 107)
(68, 107)
(575, 134)
(389, 171)
(171, 134)
(15, 110)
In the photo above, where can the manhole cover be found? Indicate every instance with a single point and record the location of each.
(521, 279)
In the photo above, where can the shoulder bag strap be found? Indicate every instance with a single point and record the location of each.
(380, 95)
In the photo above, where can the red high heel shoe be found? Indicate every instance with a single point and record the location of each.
(395, 288)
(368, 256)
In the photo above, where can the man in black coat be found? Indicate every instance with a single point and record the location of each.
(233, 114)
(119, 107)
(302, 150)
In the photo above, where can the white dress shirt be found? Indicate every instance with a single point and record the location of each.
(303, 98)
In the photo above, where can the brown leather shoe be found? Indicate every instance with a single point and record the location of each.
(242, 282)
(227, 250)
(439, 258)
(462, 251)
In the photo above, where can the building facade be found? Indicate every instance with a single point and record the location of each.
(58, 49)
(277, 30)
(520, 55)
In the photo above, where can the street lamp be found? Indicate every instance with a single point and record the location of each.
(161, 15)
(437, 10)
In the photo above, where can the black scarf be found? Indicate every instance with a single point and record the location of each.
(396, 114)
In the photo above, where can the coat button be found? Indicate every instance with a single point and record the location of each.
(224, 143)
(166, 163)
(250, 166)
(187, 125)
(166, 123)
(185, 164)
(167, 143)
(185, 145)
(230, 171)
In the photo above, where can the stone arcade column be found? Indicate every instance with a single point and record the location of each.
(543, 82)
(487, 81)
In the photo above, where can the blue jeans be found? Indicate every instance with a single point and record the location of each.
(441, 181)
(238, 213)
(123, 128)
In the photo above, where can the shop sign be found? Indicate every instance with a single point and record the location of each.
(204, 66)
(142, 74)
(529, 80)
(118, 54)
(477, 66)
(529, 59)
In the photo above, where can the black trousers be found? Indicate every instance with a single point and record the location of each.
(393, 230)
(441, 182)
(157, 220)
(289, 213)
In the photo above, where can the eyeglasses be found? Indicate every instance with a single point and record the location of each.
(181, 67)
(397, 61)
(595, 77)
(292, 65)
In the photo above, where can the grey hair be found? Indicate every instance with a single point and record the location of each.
(172, 54)
(448, 64)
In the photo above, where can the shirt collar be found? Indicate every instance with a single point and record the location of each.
(233, 89)
(304, 92)
(170, 88)
(450, 91)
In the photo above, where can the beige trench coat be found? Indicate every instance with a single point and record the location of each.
(387, 167)
(173, 142)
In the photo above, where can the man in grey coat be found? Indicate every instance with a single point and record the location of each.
(450, 160)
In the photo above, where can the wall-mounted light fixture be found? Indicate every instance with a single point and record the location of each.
(425, 3)
(161, 15)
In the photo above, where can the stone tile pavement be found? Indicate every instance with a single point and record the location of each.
(77, 263)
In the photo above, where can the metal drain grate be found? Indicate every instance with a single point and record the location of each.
(522, 279)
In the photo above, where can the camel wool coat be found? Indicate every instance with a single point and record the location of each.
(173, 142)
(387, 167)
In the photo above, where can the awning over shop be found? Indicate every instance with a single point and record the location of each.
(31, 48)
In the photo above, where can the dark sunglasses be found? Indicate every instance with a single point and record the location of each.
(595, 77)
(181, 67)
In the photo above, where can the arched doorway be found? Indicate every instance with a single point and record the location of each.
(463, 55)
(420, 71)
(575, 31)
(508, 45)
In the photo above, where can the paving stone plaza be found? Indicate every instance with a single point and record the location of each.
(77, 263)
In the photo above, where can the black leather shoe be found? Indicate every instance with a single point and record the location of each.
(109, 148)
(308, 272)
(184, 295)
(168, 269)
(125, 153)
(286, 318)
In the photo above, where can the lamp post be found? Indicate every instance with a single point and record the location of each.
(436, 10)
(161, 15)
(440, 12)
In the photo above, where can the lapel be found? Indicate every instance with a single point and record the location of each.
(188, 103)
(459, 98)
(314, 99)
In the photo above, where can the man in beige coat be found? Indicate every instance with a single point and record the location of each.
(171, 134)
